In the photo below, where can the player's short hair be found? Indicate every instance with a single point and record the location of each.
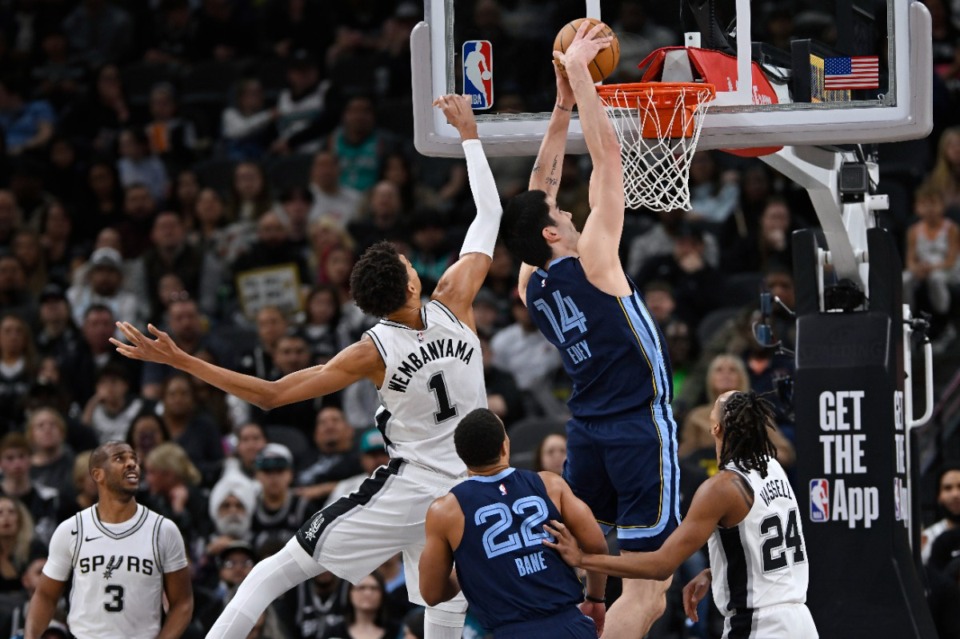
(478, 438)
(523, 222)
(746, 418)
(379, 280)
(100, 454)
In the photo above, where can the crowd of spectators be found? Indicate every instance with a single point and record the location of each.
(215, 167)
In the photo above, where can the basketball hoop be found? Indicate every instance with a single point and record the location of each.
(658, 124)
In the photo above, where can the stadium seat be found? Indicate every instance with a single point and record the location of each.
(293, 439)
(713, 321)
(287, 171)
(526, 435)
(216, 174)
(209, 83)
(139, 78)
(741, 289)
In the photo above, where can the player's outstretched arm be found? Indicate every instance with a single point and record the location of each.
(356, 362)
(600, 241)
(42, 606)
(713, 501)
(460, 283)
(548, 166)
(179, 591)
(437, 581)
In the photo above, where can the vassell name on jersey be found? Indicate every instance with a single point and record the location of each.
(433, 350)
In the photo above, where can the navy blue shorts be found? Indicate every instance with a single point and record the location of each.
(569, 624)
(626, 470)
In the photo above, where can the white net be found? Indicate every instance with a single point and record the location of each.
(658, 133)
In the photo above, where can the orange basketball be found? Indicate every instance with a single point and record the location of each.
(605, 62)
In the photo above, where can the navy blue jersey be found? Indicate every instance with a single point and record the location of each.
(611, 346)
(507, 575)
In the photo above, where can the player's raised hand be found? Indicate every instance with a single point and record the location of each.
(566, 544)
(459, 114)
(693, 592)
(585, 46)
(565, 97)
(162, 350)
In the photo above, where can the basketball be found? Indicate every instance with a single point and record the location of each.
(605, 62)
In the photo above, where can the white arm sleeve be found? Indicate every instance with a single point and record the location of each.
(60, 560)
(482, 234)
(172, 553)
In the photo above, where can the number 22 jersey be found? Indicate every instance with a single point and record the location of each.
(117, 589)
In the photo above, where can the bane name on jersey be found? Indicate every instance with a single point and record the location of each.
(128, 563)
(433, 350)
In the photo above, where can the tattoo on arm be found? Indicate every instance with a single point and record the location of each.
(536, 167)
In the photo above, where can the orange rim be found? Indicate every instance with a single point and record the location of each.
(658, 92)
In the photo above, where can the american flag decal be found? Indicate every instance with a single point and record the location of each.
(857, 72)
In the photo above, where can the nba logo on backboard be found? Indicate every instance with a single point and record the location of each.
(819, 500)
(478, 73)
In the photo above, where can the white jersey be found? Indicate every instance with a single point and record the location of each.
(433, 378)
(761, 561)
(118, 569)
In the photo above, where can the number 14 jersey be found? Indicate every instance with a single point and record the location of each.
(762, 560)
(433, 377)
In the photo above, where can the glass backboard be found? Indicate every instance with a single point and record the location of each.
(842, 71)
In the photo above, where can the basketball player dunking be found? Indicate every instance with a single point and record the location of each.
(425, 360)
(123, 557)
(748, 515)
(622, 440)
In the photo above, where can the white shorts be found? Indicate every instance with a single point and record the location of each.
(354, 535)
(787, 621)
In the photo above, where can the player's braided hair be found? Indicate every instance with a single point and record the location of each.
(379, 280)
(745, 418)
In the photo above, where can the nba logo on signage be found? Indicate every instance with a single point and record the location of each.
(819, 500)
(478, 73)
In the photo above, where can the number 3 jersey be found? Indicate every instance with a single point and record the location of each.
(433, 377)
(762, 560)
(611, 347)
(506, 573)
(117, 572)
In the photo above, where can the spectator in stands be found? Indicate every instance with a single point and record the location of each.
(14, 297)
(713, 195)
(359, 145)
(57, 78)
(305, 109)
(639, 36)
(183, 199)
(322, 325)
(384, 220)
(366, 613)
(139, 165)
(945, 176)
(697, 286)
(146, 433)
(64, 173)
(336, 458)
(948, 499)
(30, 581)
(291, 354)
(280, 512)
(26, 246)
(27, 124)
(112, 408)
(103, 202)
(99, 32)
(57, 335)
(134, 226)
(273, 247)
(41, 501)
(232, 501)
(271, 324)
(11, 217)
(84, 487)
(770, 242)
(170, 137)
(186, 327)
(249, 195)
(93, 353)
(234, 562)
(247, 126)
(521, 349)
(191, 428)
(172, 482)
(251, 439)
(551, 454)
(660, 239)
(504, 398)
(682, 348)
(104, 286)
(173, 34)
(19, 544)
(373, 454)
(18, 364)
(755, 189)
(331, 199)
(52, 461)
(59, 242)
(316, 605)
(430, 250)
(95, 121)
(198, 271)
(293, 208)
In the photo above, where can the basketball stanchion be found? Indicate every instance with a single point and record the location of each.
(658, 124)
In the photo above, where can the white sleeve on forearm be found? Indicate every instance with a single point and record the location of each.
(482, 234)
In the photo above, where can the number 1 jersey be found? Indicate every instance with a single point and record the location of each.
(433, 377)
(762, 560)
(117, 589)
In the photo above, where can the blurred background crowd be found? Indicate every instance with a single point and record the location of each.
(215, 167)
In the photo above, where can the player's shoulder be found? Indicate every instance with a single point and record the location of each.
(438, 311)
(444, 509)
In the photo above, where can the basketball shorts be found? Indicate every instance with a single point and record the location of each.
(786, 621)
(385, 516)
(570, 624)
(626, 470)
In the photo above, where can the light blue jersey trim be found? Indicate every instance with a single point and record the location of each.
(489, 479)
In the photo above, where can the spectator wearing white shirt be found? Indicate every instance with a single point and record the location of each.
(330, 198)
(247, 126)
(103, 286)
(521, 349)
